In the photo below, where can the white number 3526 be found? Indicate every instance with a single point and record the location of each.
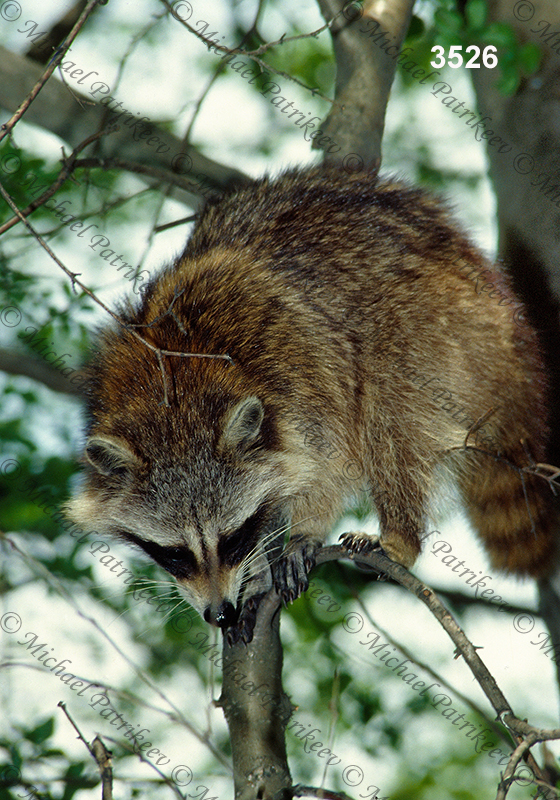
(455, 58)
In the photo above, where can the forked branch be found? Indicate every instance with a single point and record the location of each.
(253, 696)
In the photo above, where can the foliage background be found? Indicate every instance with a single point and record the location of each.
(364, 713)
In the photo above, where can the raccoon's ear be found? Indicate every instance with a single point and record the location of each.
(109, 456)
(242, 425)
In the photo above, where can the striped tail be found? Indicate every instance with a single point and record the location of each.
(514, 513)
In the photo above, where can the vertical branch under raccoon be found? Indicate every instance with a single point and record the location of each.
(256, 708)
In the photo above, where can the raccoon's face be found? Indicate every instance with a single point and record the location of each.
(214, 519)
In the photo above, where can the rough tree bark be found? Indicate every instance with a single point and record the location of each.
(257, 709)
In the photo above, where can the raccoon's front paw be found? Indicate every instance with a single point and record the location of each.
(243, 629)
(291, 570)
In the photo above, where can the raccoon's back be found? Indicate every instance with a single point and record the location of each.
(317, 285)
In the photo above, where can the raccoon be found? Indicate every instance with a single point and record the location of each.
(328, 295)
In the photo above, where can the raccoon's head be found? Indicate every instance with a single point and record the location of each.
(212, 509)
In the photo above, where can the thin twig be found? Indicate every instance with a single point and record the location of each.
(78, 731)
(508, 777)
(237, 51)
(175, 223)
(102, 757)
(8, 126)
(69, 165)
(129, 697)
(61, 590)
(157, 351)
(439, 678)
(163, 175)
(518, 729)
(164, 779)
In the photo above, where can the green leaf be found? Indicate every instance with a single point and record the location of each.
(508, 83)
(41, 732)
(73, 782)
(448, 22)
(416, 29)
(476, 12)
(530, 57)
(500, 35)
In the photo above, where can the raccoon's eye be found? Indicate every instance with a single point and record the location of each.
(179, 561)
(175, 553)
(233, 548)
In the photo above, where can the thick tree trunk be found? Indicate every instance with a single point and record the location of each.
(526, 179)
(527, 186)
(364, 75)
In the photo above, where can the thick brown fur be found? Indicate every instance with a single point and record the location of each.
(346, 308)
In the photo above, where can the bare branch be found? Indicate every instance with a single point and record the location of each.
(7, 127)
(99, 752)
(161, 175)
(508, 777)
(73, 123)
(19, 363)
(429, 670)
(164, 779)
(365, 74)
(519, 729)
(105, 765)
(257, 728)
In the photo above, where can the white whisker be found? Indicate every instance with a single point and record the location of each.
(253, 555)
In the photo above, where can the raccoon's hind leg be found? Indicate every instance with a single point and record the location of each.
(513, 512)
(399, 540)
(398, 493)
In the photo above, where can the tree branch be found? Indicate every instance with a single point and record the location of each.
(519, 729)
(43, 77)
(257, 722)
(77, 116)
(365, 75)
(100, 754)
(16, 363)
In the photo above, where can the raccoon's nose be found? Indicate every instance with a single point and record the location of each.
(224, 617)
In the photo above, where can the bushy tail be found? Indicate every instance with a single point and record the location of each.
(518, 520)
(514, 513)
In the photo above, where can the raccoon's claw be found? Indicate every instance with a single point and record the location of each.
(358, 542)
(291, 571)
(243, 630)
